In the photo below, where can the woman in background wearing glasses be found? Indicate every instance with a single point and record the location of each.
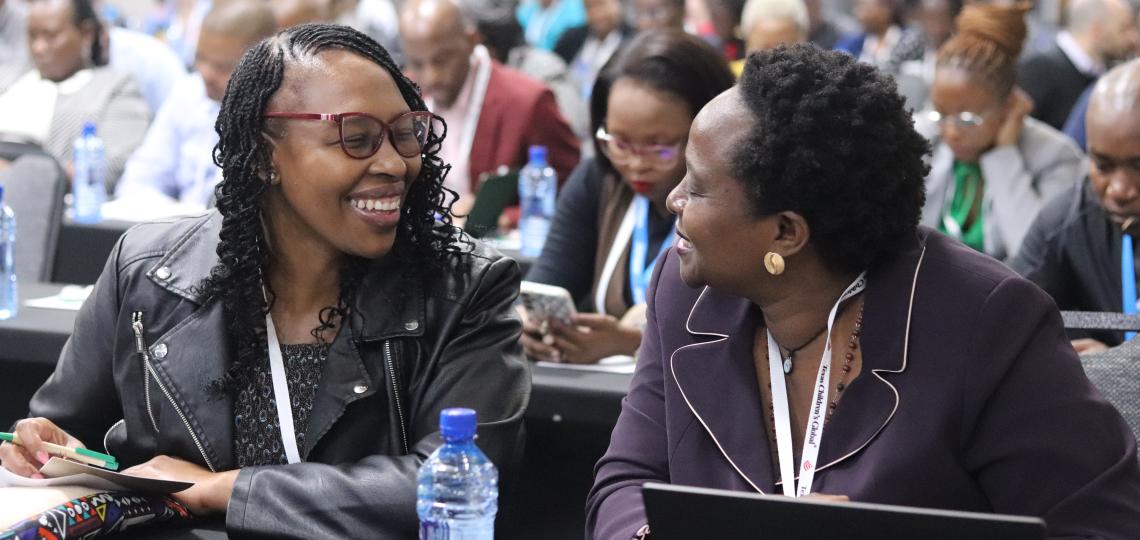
(290, 352)
(993, 168)
(612, 221)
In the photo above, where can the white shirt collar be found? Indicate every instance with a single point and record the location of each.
(1080, 59)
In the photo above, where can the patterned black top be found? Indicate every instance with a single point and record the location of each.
(257, 430)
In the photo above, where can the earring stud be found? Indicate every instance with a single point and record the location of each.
(774, 263)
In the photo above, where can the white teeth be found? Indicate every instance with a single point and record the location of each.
(389, 204)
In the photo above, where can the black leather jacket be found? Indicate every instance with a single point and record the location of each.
(146, 348)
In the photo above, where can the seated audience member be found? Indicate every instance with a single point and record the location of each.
(1097, 34)
(658, 14)
(293, 12)
(767, 24)
(155, 66)
(71, 85)
(1074, 249)
(723, 29)
(883, 40)
(934, 20)
(544, 21)
(389, 309)
(176, 159)
(376, 18)
(800, 265)
(588, 47)
(826, 27)
(611, 221)
(13, 42)
(177, 22)
(993, 168)
(494, 113)
(500, 33)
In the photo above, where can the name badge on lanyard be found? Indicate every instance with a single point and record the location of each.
(639, 272)
(813, 433)
(1128, 279)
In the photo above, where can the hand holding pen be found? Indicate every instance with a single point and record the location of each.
(26, 458)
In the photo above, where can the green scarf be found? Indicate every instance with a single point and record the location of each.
(968, 192)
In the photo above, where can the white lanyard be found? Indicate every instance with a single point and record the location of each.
(281, 394)
(813, 433)
(624, 234)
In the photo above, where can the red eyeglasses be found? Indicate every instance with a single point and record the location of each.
(361, 134)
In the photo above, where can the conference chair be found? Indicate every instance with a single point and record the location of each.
(1115, 372)
(34, 186)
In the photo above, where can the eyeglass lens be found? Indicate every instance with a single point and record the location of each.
(363, 135)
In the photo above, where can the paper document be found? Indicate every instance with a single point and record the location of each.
(609, 364)
(71, 298)
(62, 472)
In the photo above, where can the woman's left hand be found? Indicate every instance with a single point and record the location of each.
(1020, 105)
(593, 336)
(210, 493)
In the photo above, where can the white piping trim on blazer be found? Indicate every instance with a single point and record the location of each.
(875, 372)
(686, 398)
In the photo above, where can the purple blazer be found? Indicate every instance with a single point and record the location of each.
(970, 398)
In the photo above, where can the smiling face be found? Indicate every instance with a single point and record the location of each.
(956, 91)
(1114, 162)
(58, 47)
(322, 195)
(640, 115)
(722, 242)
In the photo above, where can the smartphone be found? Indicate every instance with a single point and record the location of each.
(542, 302)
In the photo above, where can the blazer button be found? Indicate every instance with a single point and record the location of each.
(411, 325)
(160, 351)
(162, 273)
(360, 389)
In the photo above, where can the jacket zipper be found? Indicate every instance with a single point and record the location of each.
(137, 324)
(140, 348)
(396, 395)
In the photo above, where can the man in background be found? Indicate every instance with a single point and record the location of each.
(1074, 249)
(493, 112)
(175, 161)
(1098, 34)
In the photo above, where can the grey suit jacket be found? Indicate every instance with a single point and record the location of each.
(1019, 182)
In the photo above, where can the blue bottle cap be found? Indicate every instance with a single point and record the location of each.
(457, 424)
(1, 193)
(537, 154)
(88, 128)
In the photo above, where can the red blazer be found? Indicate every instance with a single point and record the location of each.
(519, 112)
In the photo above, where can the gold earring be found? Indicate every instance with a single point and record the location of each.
(774, 263)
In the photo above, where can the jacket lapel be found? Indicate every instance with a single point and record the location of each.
(485, 148)
(717, 379)
(870, 402)
(186, 370)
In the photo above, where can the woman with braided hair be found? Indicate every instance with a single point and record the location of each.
(993, 167)
(290, 352)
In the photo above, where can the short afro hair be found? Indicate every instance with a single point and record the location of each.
(834, 143)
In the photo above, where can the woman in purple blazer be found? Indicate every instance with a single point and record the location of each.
(805, 328)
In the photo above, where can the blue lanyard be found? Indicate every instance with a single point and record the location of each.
(639, 272)
(1128, 279)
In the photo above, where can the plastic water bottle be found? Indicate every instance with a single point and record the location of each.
(538, 186)
(9, 302)
(88, 189)
(458, 493)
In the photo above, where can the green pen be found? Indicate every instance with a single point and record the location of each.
(82, 455)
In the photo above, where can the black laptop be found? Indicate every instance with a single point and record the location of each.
(679, 512)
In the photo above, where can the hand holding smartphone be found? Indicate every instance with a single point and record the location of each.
(542, 303)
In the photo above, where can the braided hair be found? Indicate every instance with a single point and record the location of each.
(987, 43)
(426, 240)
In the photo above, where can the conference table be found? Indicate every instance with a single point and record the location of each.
(568, 420)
